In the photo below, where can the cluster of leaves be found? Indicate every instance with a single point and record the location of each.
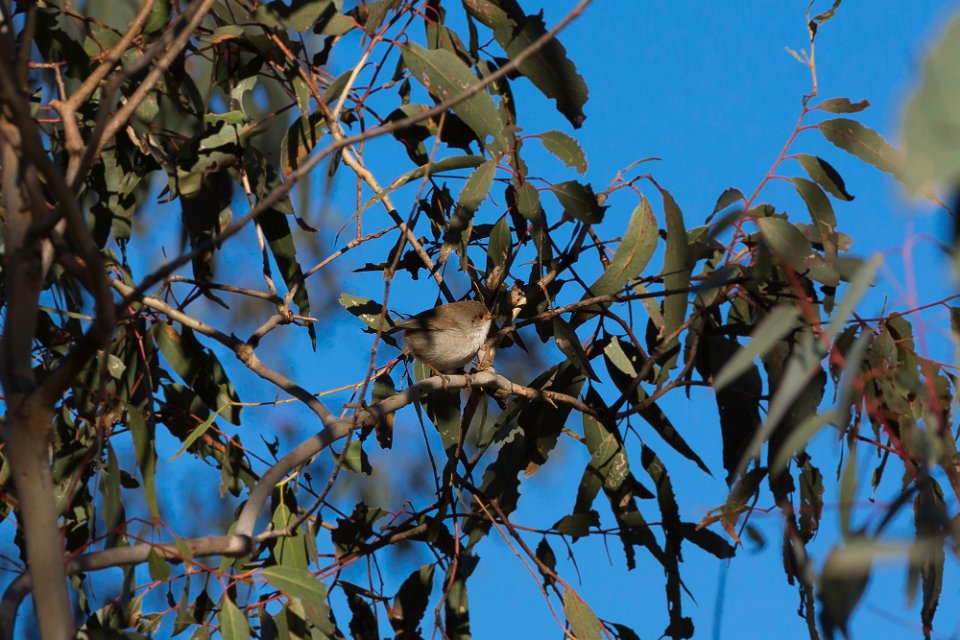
(247, 109)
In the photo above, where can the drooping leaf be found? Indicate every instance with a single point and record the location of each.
(410, 603)
(568, 342)
(144, 437)
(549, 68)
(472, 195)
(738, 402)
(199, 368)
(774, 326)
(233, 623)
(276, 230)
(823, 173)
(844, 579)
(677, 268)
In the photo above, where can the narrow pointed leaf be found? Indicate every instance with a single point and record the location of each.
(632, 254)
(863, 142)
(583, 621)
(823, 173)
(777, 324)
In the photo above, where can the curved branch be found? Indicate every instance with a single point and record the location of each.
(242, 350)
(231, 546)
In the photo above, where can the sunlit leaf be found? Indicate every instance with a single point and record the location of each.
(444, 75)
(863, 142)
(566, 149)
(233, 623)
(632, 254)
(583, 621)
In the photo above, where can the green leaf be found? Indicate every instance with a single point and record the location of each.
(528, 203)
(821, 212)
(363, 624)
(112, 509)
(707, 540)
(444, 75)
(579, 201)
(823, 173)
(583, 621)
(632, 254)
(356, 458)
(499, 251)
(548, 68)
(774, 326)
(410, 603)
(299, 15)
(115, 366)
(863, 142)
(843, 105)
(452, 163)
(157, 566)
(811, 501)
(299, 141)
(233, 624)
(803, 365)
(569, 344)
(577, 525)
(195, 435)
(657, 419)
(566, 149)
(786, 241)
(862, 280)
(295, 583)
(729, 196)
(677, 267)
(276, 229)
(933, 118)
(144, 437)
(366, 309)
(472, 195)
(199, 368)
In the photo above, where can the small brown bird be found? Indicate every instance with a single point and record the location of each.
(447, 337)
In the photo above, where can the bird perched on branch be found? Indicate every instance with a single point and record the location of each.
(447, 337)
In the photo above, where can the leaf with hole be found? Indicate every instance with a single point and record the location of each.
(445, 76)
